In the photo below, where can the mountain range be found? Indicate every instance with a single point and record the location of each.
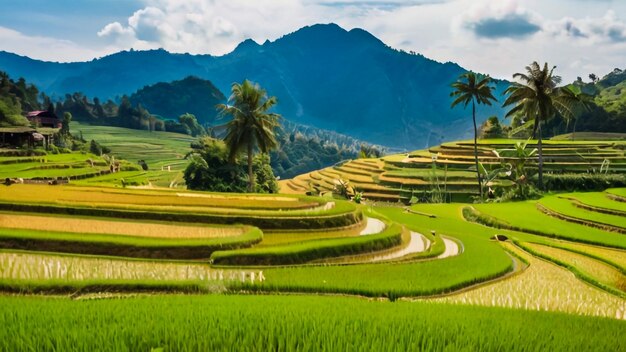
(323, 75)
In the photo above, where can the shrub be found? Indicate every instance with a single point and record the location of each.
(584, 182)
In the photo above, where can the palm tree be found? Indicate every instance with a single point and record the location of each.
(251, 125)
(538, 97)
(476, 89)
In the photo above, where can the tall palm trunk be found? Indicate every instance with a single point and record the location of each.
(540, 156)
(480, 186)
(250, 174)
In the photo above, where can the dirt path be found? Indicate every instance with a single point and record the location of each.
(452, 248)
(373, 227)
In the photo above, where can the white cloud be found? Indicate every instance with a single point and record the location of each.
(44, 48)
(606, 29)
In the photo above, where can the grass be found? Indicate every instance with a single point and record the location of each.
(524, 216)
(156, 148)
(216, 323)
(566, 208)
(597, 200)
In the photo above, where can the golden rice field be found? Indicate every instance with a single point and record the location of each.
(615, 256)
(602, 272)
(110, 227)
(93, 196)
(543, 286)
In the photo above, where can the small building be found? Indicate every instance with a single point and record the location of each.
(44, 118)
(28, 137)
(17, 136)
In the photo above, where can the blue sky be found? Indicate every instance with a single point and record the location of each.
(498, 37)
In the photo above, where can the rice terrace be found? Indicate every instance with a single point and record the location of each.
(168, 183)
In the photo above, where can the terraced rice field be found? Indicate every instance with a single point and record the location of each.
(448, 168)
(543, 286)
(603, 273)
(124, 228)
(54, 241)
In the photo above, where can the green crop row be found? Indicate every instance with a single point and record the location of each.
(124, 246)
(307, 251)
(290, 323)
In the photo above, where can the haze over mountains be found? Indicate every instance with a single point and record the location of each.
(323, 75)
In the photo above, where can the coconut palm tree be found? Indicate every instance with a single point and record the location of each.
(536, 94)
(475, 89)
(252, 126)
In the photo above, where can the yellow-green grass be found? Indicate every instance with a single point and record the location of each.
(272, 238)
(600, 201)
(566, 208)
(524, 216)
(158, 149)
(158, 199)
(620, 192)
(85, 226)
(596, 270)
(125, 245)
(264, 211)
(616, 257)
(543, 286)
(52, 166)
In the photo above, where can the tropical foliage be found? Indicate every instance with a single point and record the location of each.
(252, 125)
(210, 169)
(538, 97)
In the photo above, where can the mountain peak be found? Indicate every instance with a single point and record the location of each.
(247, 44)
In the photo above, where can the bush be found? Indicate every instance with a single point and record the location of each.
(583, 182)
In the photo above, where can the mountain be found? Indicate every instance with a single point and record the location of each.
(192, 95)
(322, 75)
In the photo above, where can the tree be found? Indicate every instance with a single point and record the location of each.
(67, 119)
(536, 94)
(491, 128)
(191, 123)
(210, 170)
(475, 89)
(252, 126)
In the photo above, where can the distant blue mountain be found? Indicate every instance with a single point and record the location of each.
(323, 75)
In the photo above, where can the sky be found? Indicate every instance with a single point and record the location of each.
(498, 37)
